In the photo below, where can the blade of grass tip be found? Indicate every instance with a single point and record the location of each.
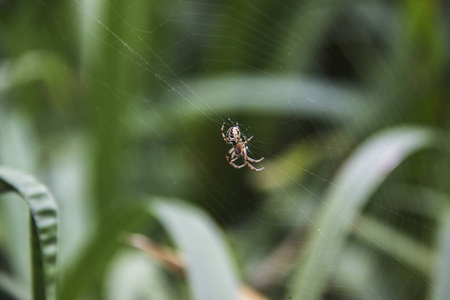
(441, 277)
(359, 177)
(209, 268)
(43, 226)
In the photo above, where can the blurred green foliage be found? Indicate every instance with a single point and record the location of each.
(117, 107)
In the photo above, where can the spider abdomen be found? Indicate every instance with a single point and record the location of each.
(233, 135)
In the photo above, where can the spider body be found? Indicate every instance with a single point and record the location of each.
(233, 135)
(239, 149)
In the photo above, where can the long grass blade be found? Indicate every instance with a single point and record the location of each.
(359, 177)
(209, 268)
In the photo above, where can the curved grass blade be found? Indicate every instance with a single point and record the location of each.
(360, 176)
(289, 95)
(209, 268)
(43, 226)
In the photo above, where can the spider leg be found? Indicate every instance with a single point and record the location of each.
(236, 166)
(234, 159)
(248, 140)
(232, 155)
(223, 133)
(245, 157)
(255, 160)
(231, 152)
(230, 159)
(251, 159)
(252, 167)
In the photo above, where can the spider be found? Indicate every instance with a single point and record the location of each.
(233, 137)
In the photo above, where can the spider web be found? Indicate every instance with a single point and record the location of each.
(209, 72)
(192, 55)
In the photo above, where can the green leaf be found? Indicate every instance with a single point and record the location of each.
(358, 178)
(209, 267)
(441, 283)
(43, 226)
(288, 95)
(210, 271)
